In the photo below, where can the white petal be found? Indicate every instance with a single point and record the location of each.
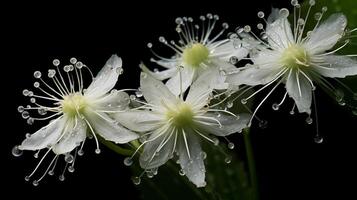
(158, 151)
(279, 32)
(155, 91)
(341, 66)
(141, 121)
(227, 50)
(230, 124)
(181, 80)
(73, 136)
(117, 100)
(300, 91)
(192, 165)
(327, 34)
(203, 86)
(106, 78)
(224, 68)
(109, 129)
(46, 136)
(160, 75)
(253, 76)
(172, 63)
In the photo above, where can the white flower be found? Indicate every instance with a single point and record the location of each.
(286, 56)
(196, 51)
(172, 124)
(79, 113)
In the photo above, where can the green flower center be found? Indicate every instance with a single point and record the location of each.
(73, 104)
(181, 116)
(195, 54)
(295, 56)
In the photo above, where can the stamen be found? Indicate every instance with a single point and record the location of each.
(186, 144)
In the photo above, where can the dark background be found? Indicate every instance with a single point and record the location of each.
(289, 164)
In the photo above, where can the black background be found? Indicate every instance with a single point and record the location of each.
(289, 164)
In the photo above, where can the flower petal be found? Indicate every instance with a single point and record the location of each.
(160, 75)
(227, 49)
(108, 128)
(181, 80)
(46, 136)
(299, 88)
(341, 66)
(155, 91)
(137, 120)
(280, 34)
(74, 135)
(116, 100)
(191, 159)
(325, 36)
(229, 124)
(159, 150)
(254, 75)
(106, 78)
(203, 86)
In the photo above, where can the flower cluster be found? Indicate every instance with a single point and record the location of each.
(178, 108)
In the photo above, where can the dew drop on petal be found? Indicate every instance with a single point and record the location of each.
(128, 161)
(136, 180)
(230, 145)
(318, 139)
(16, 151)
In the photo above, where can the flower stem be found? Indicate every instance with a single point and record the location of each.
(251, 165)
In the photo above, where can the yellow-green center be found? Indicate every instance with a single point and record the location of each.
(73, 104)
(295, 56)
(181, 116)
(195, 54)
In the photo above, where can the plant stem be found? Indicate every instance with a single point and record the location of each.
(251, 165)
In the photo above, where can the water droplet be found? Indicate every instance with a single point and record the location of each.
(20, 109)
(247, 28)
(35, 183)
(263, 124)
(37, 74)
(301, 21)
(312, 2)
(16, 151)
(79, 65)
(309, 120)
(51, 172)
(215, 141)
(30, 121)
(27, 178)
(182, 172)
(260, 26)
(149, 174)
(61, 177)
(56, 62)
(318, 139)
(225, 25)
(294, 2)
(228, 159)
(143, 75)
(97, 151)
(275, 106)
(71, 169)
(318, 16)
(25, 92)
(136, 180)
(342, 103)
(73, 60)
(51, 73)
(284, 12)
(25, 114)
(324, 9)
(128, 161)
(35, 155)
(66, 68)
(42, 111)
(36, 84)
(68, 158)
(229, 104)
(292, 112)
(119, 70)
(230, 145)
(138, 93)
(80, 152)
(233, 60)
(178, 21)
(243, 101)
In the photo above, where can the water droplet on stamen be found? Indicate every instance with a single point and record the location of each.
(318, 139)
(25, 114)
(51, 172)
(228, 159)
(294, 2)
(182, 172)
(51, 73)
(324, 9)
(292, 112)
(30, 121)
(261, 14)
(16, 151)
(230, 145)
(136, 180)
(73, 60)
(300, 21)
(61, 177)
(243, 101)
(284, 12)
(260, 26)
(32, 100)
(80, 152)
(56, 62)
(229, 104)
(27, 178)
(312, 2)
(318, 16)
(36, 84)
(35, 183)
(37, 74)
(138, 93)
(71, 169)
(20, 109)
(225, 25)
(203, 155)
(233, 60)
(215, 141)
(247, 28)
(68, 158)
(275, 106)
(79, 65)
(128, 161)
(97, 151)
(309, 120)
